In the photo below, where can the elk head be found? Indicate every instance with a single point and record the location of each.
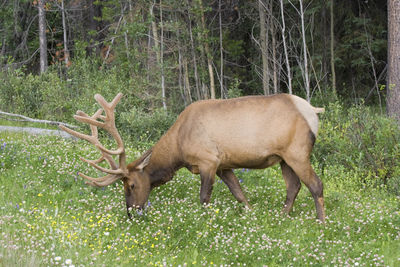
(136, 181)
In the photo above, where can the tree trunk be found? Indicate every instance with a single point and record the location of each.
(164, 98)
(305, 54)
(107, 57)
(96, 32)
(42, 36)
(325, 59)
(155, 34)
(193, 49)
(180, 77)
(289, 75)
(208, 52)
(393, 81)
(274, 54)
(66, 53)
(159, 47)
(221, 50)
(184, 84)
(188, 93)
(333, 73)
(264, 47)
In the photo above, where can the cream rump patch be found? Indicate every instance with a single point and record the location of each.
(309, 112)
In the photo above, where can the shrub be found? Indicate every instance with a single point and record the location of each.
(56, 96)
(361, 140)
(20, 93)
(144, 128)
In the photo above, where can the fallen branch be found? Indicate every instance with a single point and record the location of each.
(27, 119)
(36, 131)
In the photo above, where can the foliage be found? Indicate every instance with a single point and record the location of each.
(362, 43)
(119, 34)
(360, 139)
(50, 97)
(143, 128)
(48, 216)
(234, 90)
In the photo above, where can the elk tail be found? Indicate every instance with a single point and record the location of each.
(318, 110)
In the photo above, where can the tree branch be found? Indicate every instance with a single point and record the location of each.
(27, 119)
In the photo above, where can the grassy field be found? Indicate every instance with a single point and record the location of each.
(48, 216)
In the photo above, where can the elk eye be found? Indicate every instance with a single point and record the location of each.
(132, 186)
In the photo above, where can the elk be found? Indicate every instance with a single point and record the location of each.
(213, 137)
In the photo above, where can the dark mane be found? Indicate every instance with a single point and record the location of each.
(161, 175)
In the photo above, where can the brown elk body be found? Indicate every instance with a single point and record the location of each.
(213, 137)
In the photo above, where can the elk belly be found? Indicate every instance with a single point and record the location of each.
(251, 162)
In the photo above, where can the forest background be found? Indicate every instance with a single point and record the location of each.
(167, 54)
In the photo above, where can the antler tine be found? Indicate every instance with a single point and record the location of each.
(108, 124)
(83, 117)
(112, 152)
(105, 183)
(90, 121)
(100, 99)
(75, 133)
(101, 159)
(116, 100)
(109, 159)
(93, 163)
(101, 181)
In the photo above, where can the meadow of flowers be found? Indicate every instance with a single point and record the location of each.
(49, 217)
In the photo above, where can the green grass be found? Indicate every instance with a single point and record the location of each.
(48, 216)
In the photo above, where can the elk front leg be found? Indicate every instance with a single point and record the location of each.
(293, 186)
(232, 182)
(207, 181)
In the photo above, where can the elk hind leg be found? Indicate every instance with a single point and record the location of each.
(308, 176)
(293, 186)
(232, 182)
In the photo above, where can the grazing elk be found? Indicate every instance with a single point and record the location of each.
(212, 137)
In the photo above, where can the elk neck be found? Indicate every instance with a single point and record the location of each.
(164, 161)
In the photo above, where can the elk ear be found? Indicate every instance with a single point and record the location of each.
(143, 162)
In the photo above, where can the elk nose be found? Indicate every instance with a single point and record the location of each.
(128, 211)
(139, 210)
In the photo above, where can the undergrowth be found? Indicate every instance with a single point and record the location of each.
(360, 140)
